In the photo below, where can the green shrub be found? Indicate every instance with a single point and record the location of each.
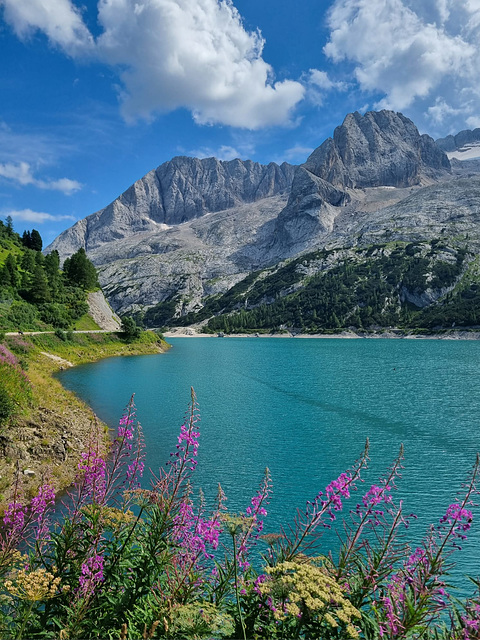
(60, 335)
(6, 405)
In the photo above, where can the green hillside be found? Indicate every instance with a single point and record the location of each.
(428, 285)
(35, 294)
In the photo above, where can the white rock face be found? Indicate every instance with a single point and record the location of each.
(194, 228)
(177, 191)
(378, 149)
(102, 313)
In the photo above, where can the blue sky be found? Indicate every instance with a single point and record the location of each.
(95, 94)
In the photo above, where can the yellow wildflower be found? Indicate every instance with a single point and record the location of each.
(33, 585)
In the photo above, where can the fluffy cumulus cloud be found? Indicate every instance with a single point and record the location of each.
(27, 215)
(21, 173)
(194, 54)
(415, 54)
(58, 19)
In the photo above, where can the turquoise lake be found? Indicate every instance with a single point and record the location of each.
(304, 408)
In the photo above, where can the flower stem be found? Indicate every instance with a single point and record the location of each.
(236, 587)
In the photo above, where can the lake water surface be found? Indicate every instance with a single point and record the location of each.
(304, 408)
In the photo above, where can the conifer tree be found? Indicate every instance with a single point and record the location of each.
(80, 271)
(36, 242)
(39, 289)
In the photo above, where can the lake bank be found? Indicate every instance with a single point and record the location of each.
(46, 437)
(187, 332)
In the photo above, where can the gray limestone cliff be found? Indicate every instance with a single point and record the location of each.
(177, 191)
(379, 149)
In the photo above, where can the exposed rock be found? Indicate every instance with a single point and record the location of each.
(378, 149)
(101, 312)
(461, 139)
(177, 191)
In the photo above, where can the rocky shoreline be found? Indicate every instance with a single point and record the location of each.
(46, 443)
(397, 334)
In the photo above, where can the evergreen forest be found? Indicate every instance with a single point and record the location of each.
(35, 293)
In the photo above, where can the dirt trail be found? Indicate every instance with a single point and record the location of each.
(62, 361)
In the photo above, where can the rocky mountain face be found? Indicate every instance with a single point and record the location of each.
(460, 140)
(192, 231)
(379, 149)
(177, 191)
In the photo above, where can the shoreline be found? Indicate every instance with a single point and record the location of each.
(344, 335)
(47, 438)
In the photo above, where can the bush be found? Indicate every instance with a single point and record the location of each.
(130, 329)
(23, 315)
(6, 405)
(55, 315)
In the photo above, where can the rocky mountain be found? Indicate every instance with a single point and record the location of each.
(459, 141)
(177, 191)
(379, 149)
(194, 231)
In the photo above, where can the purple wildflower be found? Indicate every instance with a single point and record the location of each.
(14, 517)
(459, 519)
(93, 467)
(44, 499)
(91, 576)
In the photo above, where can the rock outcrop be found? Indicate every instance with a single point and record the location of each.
(379, 149)
(177, 191)
(460, 140)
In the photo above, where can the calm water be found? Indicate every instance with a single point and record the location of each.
(304, 409)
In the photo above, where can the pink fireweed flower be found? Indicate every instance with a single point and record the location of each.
(330, 501)
(7, 357)
(93, 467)
(459, 519)
(44, 499)
(14, 517)
(91, 575)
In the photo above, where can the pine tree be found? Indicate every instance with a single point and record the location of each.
(80, 271)
(39, 290)
(36, 240)
(11, 266)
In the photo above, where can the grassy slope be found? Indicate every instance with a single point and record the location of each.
(48, 434)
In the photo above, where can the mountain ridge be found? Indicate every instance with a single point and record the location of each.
(213, 223)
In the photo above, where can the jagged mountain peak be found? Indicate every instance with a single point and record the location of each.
(378, 149)
(177, 191)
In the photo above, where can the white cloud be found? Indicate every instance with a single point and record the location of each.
(318, 84)
(473, 122)
(297, 154)
(60, 20)
(22, 173)
(322, 80)
(441, 111)
(394, 51)
(27, 215)
(194, 54)
(224, 152)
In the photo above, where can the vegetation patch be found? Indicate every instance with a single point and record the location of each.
(124, 561)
